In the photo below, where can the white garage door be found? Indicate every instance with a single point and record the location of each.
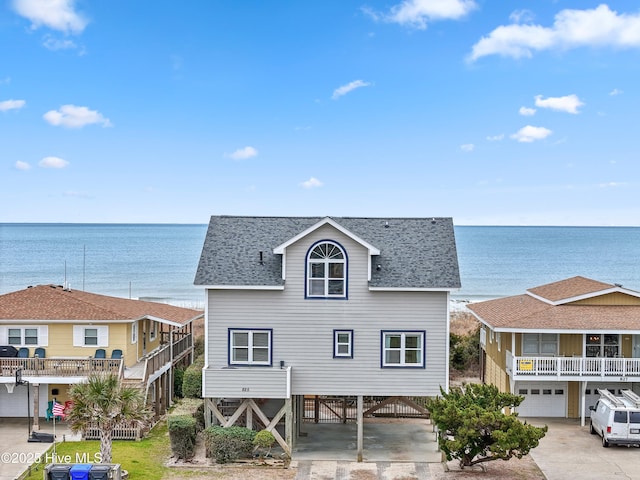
(14, 404)
(542, 399)
(591, 394)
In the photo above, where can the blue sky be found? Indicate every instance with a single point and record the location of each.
(491, 112)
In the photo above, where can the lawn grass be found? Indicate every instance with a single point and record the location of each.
(142, 459)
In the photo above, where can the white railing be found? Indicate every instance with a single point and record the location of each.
(573, 366)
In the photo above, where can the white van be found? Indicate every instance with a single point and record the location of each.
(616, 419)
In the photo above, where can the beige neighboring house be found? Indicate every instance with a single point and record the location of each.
(56, 337)
(557, 344)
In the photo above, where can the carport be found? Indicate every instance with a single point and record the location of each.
(385, 440)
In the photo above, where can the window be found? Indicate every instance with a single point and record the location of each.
(153, 330)
(326, 271)
(343, 343)
(91, 336)
(403, 349)
(602, 345)
(539, 344)
(134, 332)
(22, 336)
(499, 341)
(249, 347)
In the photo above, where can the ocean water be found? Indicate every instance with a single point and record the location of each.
(158, 262)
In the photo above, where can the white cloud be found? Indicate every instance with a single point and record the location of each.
(244, 153)
(615, 92)
(312, 183)
(598, 27)
(343, 90)
(52, 43)
(55, 14)
(20, 165)
(522, 16)
(53, 162)
(568, 103)
(417, 13)
(11, 105)
(495, 138)
(526, 111)
(467, 147)
(530, 134)
(71, 116)
(612, 185)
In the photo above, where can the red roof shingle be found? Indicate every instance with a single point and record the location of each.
(52, 302)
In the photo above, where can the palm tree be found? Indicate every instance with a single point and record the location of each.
(104, 401)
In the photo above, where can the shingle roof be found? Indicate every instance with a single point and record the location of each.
(569, 288)
(529, 313)
(52, 302)
(414, 252)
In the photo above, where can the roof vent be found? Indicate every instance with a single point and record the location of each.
(618, 284)
(386, 224)
(433, 221)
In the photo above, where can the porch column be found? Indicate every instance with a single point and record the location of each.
(288, 423)
(36, 406)
(583, 400)
(359, 421)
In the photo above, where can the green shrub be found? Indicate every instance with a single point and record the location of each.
(464, 350)
(198, 346)
(228, 444)
(263, 442)
(182, 434)
(192, 379)
(178, 375)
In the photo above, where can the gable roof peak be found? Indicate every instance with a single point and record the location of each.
(571, 289)
(327, 221)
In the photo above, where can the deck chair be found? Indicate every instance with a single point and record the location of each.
(100, 353)
(23, 352)
(40, 353)
(116, 354)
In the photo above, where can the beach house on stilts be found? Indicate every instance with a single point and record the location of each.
(302, 313)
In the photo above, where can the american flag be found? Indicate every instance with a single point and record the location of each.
(58, 409)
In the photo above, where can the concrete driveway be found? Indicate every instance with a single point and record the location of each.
(16, 453)
(570, 451)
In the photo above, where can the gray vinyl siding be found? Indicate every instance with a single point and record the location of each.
(302, 330)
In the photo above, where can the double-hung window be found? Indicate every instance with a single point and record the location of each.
(403, 349)
(539, 344)
(343, 343)
(90, 336)
(326, 271)
(22, 336)
(249, 347)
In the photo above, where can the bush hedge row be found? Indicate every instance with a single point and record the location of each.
(229, 444)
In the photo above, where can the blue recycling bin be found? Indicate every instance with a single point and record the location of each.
(100, 472)
(80, 471)
(59, 472)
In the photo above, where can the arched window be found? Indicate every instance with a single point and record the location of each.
(326, 271)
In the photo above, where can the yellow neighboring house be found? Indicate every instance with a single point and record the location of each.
(557, 344)
(56, 337)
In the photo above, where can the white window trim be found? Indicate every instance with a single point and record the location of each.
(79, 335)
(250, 360)
(134, 333)
(42, 335)
(327, 262)
(336, 344)
(153, 330)
(402, 349)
